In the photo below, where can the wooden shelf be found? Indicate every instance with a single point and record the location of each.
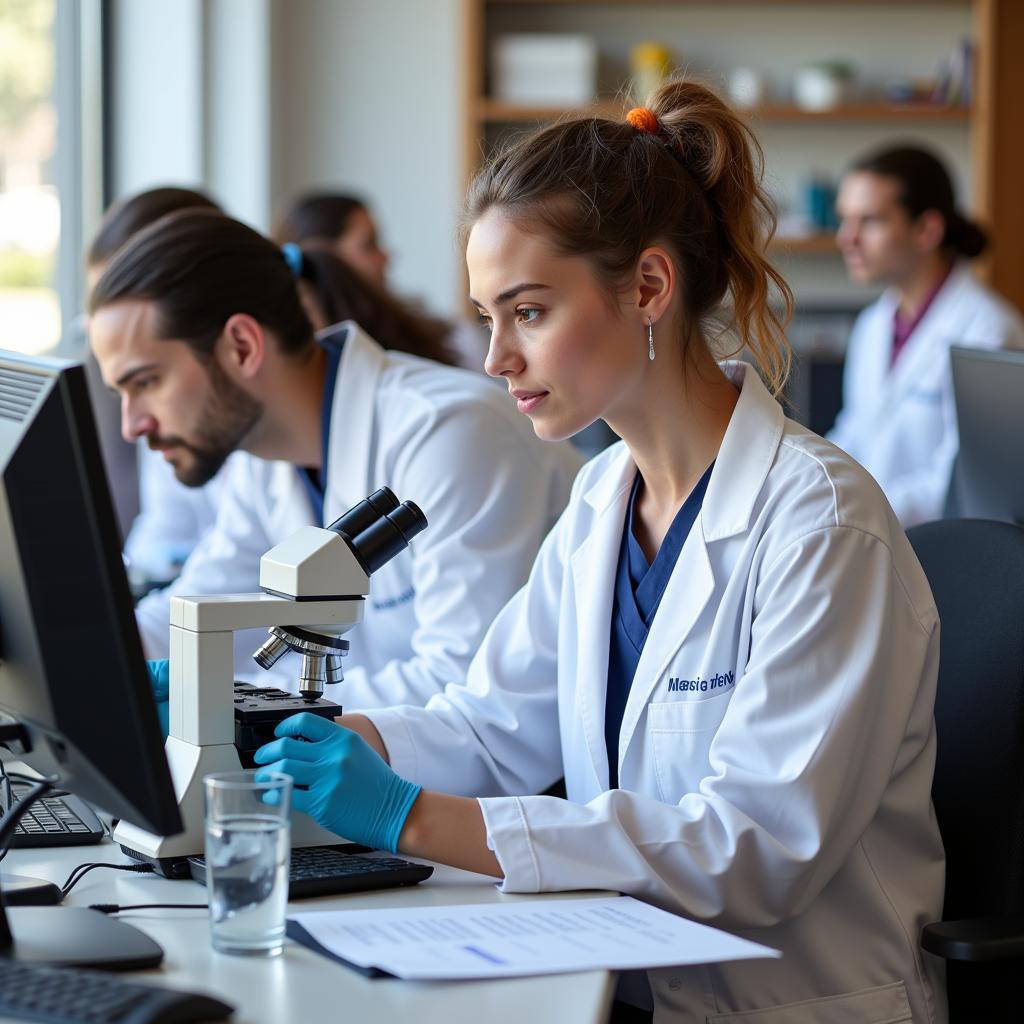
(490, 111)
(823, 244)
(724, 3)
(863, 112)
(992, 125)
(499, 112)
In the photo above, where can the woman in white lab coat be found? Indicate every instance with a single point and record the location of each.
(726, 643)
(899, 227)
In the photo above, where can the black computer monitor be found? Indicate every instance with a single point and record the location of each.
(74, 690)
(989, 479)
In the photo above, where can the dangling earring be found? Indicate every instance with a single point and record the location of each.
(650, 339)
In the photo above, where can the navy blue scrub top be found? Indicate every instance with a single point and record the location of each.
(313, 479)
(638, 590)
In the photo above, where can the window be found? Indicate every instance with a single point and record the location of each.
(49, 174)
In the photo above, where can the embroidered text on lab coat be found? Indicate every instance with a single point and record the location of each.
(719, 681)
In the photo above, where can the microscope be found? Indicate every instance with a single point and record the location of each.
(313, 590)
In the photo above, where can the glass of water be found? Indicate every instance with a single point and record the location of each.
(248, 843)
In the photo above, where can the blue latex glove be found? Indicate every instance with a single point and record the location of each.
(160, 680)
(340, 780)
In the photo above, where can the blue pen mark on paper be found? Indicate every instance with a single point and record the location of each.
(483, 954)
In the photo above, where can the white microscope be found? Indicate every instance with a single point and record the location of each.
(314, 585)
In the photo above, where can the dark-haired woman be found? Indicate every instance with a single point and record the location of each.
(332, 292)
(726, 645)
(343, 226)
(341, 222)
(900, 228)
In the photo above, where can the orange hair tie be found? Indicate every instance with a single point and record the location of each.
(643, 119)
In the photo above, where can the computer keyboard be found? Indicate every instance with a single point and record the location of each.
(331, 870)
(55, 821)
(65, 995)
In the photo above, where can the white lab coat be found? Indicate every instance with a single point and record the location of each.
(172, 518)
(777, 747)
(445, 438)
(900, 423)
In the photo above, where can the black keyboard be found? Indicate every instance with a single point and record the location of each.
(65, 995)
(330, 870)
(55, 821)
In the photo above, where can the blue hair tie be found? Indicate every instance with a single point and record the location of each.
(293, 257)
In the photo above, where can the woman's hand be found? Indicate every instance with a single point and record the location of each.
(340, 781)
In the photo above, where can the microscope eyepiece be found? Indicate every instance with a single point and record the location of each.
(391, 533)
(363, 515)
(374, 531)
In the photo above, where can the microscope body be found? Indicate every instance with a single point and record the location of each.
(314, 586)
(202, 727)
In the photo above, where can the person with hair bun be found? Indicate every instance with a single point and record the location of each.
(726, 645)
(899, 227)
(198, 324)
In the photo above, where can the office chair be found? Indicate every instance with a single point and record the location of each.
(976, 571)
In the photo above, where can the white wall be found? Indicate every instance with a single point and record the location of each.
(256, 100)
(190, 100)
(367, 98)
(156, 93)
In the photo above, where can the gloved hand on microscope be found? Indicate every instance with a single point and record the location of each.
(340, 780)
(160, 680)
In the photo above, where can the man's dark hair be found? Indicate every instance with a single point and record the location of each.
(129, 216)
(925, 184)
(199, 268)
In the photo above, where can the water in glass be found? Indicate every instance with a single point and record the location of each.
(247, 877)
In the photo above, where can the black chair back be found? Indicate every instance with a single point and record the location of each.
(976, 571)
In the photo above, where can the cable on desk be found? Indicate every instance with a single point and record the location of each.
(8, 798)
(115, 908)
(83, 869)
(31, 780)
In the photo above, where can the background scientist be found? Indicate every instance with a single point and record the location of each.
(899, 227)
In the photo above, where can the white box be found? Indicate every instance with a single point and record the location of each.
(545, 68)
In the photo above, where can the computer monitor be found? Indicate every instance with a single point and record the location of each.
(73, 680)
(989, 479)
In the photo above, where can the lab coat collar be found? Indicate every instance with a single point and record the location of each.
(347, 478)
(937, 325)
(747, 453)
(748, 450)
(593, 574)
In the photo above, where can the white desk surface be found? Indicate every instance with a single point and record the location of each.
(302, 986)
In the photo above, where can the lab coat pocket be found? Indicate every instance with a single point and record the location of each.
(681, 732)
(887, 1004)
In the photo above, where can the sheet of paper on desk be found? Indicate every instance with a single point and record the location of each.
(498, 940)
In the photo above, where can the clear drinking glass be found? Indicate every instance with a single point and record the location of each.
(248, 844)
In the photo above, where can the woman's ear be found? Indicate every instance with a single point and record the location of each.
(243, 345)
(655, 284)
